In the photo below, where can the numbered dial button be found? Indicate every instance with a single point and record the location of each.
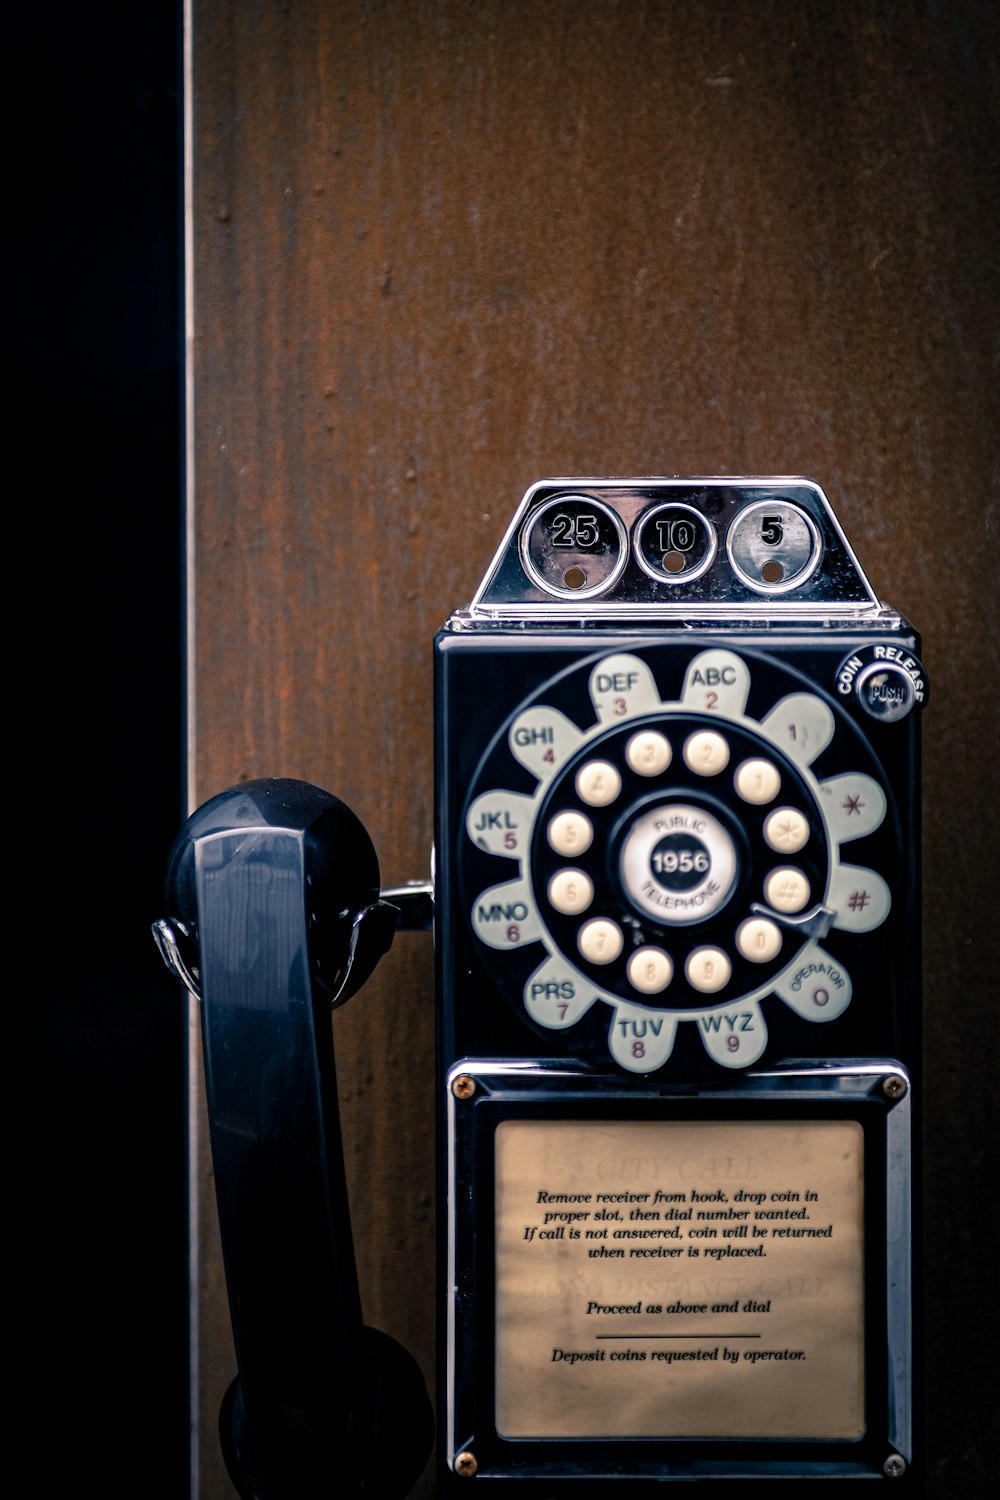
(600, 940)
(706, 753)
(571, 891)
(757, 781)
(598, 783)
(648, 753)
(708, 970)
(570, 833)
(759, 940)
(650, 970)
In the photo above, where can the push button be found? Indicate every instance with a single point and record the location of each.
(758, 940)
(571, 891)
(786, 830)
(708, 970)
(650, 970)
(885, 692)
(648, 753)
(600, 940)
(886, 680)
(757, 781)
(706, 753)
(598, 783)
(570, 833)
(786, 890)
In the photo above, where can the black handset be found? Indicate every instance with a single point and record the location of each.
(676, 918)
(274, 891)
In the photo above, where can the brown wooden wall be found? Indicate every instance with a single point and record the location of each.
(443, 249)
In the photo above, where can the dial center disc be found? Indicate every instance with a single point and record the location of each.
(678, 864)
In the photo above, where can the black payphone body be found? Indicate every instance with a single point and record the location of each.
(677, 943)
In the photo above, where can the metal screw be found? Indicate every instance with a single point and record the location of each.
(465, 1463)
(463, 1088)
(894, 1466)
(894, 1087)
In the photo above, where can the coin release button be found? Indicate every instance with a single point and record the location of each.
(786, 889)
(885, 691)
(706, 753)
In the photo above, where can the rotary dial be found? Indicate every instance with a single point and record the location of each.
(677, 860)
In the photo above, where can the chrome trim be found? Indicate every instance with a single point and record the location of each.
(515, 595)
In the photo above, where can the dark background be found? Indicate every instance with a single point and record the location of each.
(98, 356)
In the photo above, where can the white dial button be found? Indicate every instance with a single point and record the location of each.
(571, 891)
(708, 969)
(570, 833)
(757, 781)
(706, 753)
(648, 753)
(600, 940)
(758, 940)
(786, 889)
(598, 783)
(786, 830)
(650, 970)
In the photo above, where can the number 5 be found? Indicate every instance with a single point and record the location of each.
(771, 530)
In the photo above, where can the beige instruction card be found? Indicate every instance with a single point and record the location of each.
(679, 1279)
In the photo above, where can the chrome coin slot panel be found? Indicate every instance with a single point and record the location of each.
(669, 545)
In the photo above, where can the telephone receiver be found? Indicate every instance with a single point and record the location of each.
(274, 890)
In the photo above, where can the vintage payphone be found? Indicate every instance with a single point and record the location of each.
(676, 927)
